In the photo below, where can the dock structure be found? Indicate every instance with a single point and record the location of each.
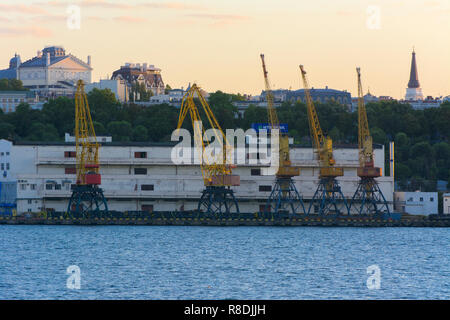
(195, 218)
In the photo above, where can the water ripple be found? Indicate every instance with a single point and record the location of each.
(124, 262)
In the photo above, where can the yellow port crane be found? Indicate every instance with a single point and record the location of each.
(368, 198)
(328, 198)
(284, 196)
(87, 197)
(217, 197)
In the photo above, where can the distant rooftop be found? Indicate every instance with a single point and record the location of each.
(56, 54)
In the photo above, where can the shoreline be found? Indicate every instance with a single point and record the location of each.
(188, 221)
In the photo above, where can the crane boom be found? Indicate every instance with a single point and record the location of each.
(285, 169)
(366, 160)
(86, 143)
(217, 171)
(271, 112)
(321, 143)
(364, 138)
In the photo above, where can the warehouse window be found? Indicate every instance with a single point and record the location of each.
(147, 187)
(147, 207)
(70, 154)
(29, 201)
(255, 172)
(70, 170)
(49, 186)
(23, 187)
(2, 166)
(32, 186)
(57, 187)
(431, 199)
(140, 170)
(265, 188)
(7, 166)
(421, 199)
(140, 154)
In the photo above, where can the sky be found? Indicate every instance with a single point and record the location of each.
(217, 43)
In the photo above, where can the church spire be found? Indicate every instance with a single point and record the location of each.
(413, 77)
(413, 92)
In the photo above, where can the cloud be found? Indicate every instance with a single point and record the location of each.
(433, 3)
(104, 4)
(19, 8)
(49, 18)
(85, 3)
(96, 18)
(345, 13)
(116, 5)
(38, 32)
(172, 5)
(129, 19)
(222, 17)
(218, 20)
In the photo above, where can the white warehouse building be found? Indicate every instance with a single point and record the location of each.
(142, 176)
(417, 202)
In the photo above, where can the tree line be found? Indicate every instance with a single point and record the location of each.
(422, 137)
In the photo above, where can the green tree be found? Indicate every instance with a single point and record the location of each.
(99, 128)
(378, 135)
(11, 85)
(254, 114)
(120, 130)
(140, 133)
(42, 132)
(402, 172)
(6, 131)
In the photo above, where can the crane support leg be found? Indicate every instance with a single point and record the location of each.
(368, 198)
(218, 201)
(87, 199)
(285, 198)
(328, 199)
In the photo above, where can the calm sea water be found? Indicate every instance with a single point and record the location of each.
(125, 262)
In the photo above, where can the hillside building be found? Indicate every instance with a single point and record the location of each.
(145, 74)
(50, 73)
(117, 86)
(9, 100)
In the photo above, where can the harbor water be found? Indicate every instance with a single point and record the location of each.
(189, 262)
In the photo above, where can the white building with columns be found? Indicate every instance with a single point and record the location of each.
(54, 73)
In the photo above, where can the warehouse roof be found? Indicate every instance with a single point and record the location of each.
(158, 144)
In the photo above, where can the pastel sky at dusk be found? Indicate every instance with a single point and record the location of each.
(217, 43)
